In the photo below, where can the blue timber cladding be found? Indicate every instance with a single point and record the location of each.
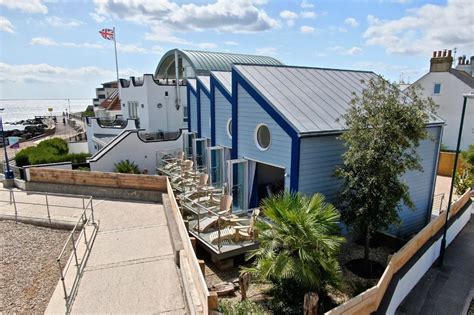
(223, 112)
(319, 157)
(205, 105)
(192, 108)
(421, 185)
(250, 115)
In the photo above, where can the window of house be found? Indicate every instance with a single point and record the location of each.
(262, 137)
(132, 109)
(437, 88)
(229, 128)
(185, 113)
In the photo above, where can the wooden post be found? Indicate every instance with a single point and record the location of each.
(193, 242)
(244, 282)
(311, 303)
(202, 265)
(213, 301)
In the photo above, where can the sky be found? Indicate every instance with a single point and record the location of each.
(52, 48)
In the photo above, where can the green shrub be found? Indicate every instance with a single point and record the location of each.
(49, 151)
(125, 166)
(241, 308)
(77, 158)
(58, 144)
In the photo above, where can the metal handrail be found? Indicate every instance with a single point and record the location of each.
(79, 261)
(86, 219)
(12, 201)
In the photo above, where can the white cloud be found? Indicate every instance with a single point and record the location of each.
(121, 47)
(207, 45)
(336, 29)
(348, 52)
(5, 25)
(28, 6)
(43, 41)
(288, 15)
(305, 4)
(307, 29)
(163, 35)
(231, 43)
(45, 73)
(266, 51)
(234, 16)
(423, 29)
(97, 17)
(352, 22)
(308, 14)
(59, 22)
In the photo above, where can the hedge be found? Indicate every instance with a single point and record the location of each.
(49, 151)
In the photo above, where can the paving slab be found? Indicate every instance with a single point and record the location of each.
(131, 266)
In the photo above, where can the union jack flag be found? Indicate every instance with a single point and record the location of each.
(107, 33)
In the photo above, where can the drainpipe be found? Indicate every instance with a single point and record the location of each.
(176, 71)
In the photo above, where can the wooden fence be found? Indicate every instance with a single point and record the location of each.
(189, 264)
(446, 163)
(369, 301)
(98, 179)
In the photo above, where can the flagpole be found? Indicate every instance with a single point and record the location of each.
(116, 60)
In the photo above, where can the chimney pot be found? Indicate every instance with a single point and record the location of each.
(449, 53)
(464, 59)
(459, 60)
(444, 53)
(440, 53)
(434, 54)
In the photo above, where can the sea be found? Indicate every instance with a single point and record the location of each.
(16, 110)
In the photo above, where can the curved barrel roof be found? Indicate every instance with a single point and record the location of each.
(205, 61)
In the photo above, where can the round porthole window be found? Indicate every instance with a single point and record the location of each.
(229, 128)
(263, 137)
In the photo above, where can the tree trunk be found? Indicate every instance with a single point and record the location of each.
(367, 250)
(310, 303)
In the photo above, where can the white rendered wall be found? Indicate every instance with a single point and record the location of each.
(134, 149)
(150, 94)
(78, 147)
(450, 102)
(94, 128)
(417, 271)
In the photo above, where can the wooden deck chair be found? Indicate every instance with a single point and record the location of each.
(191, 184)
(224, 212)
(173, 162)
(236, 233)
(183, 172)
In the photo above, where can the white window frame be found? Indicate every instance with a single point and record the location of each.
(229, 130)
(255, 137)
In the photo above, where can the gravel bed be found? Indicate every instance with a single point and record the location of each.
(28, 268)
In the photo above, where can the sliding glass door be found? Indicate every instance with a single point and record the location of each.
(199, 150)
(237, 171)
(215, 165)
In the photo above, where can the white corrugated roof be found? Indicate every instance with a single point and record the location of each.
(310, 99)
(224, 78)
(205, 81)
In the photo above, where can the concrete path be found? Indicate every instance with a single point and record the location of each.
(450, 289)
(131, 267)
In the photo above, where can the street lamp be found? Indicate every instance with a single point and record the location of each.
(445, 230)
(8, 172)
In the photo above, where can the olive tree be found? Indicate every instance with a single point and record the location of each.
(384, 129)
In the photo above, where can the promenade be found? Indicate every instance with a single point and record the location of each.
(131, 266)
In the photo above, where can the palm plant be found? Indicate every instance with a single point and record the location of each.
(299, 244)
(126, 166)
